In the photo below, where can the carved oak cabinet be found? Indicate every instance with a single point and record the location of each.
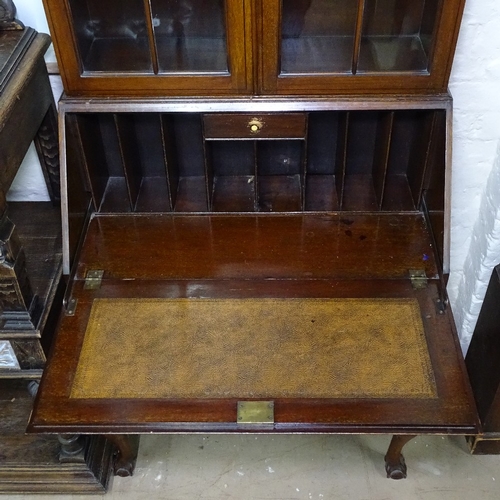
(256, 221)
(30, 253)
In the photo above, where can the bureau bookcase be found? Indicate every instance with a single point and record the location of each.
(256, 221)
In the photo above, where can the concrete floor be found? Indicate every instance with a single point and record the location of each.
(248, 467)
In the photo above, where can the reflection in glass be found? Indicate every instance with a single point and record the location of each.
(190, 35)
(111, 35)
(317, 36)
(397, 35)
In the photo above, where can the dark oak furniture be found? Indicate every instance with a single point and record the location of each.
(34, 463)
(482, 362)
(31, 262)
(31, 290)
(248, 247)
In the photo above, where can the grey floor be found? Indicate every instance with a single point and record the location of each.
(301, 467)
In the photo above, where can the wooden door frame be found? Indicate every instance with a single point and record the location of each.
(76, 83)
(436, 80)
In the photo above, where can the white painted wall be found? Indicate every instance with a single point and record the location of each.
(475, 85)
(31, 13)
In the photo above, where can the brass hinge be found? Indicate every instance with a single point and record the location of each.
(93, 279)
(255, 413)
(418, 279)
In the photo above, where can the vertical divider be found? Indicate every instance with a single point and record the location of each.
(92, 151)
(341, 157)
(419, 169)
(357, 36)
(153, 48)
(170, 158)
(256, 177)
(434, 200)
(303, 175)
(129, 153)
(381, 155)
(209, 172)
(73, 141)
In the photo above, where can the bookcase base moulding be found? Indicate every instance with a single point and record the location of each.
(256, 265)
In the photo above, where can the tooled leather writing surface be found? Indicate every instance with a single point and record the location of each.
(264, 348)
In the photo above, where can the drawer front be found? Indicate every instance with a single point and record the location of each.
(255, 126)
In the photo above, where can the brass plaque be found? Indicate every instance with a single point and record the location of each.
(255, 412)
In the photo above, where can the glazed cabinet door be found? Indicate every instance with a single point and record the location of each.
(353, 46)
(182, 47)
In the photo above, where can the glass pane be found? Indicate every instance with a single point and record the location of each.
(112, 35)
(190, 35)
(317, 36)
(397, 35)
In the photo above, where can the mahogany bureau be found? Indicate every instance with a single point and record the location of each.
(256, 221)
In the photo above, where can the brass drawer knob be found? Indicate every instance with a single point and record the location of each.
(255, 125)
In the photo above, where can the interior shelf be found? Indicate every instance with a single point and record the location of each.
(280, 193)
(317, 54)
(192, 55)
(392, 53)
(359, 193)
(334, 54)
(321, 193)
(132, 55)
(153, 195)
(115, 197)
(121, 55)
(234, 193)
(191, 194)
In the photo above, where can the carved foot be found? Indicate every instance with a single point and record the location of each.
(123, 468)
(395, 464)
(396, 470)
(126, 455)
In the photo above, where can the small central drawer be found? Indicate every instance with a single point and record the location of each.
(255, 126)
